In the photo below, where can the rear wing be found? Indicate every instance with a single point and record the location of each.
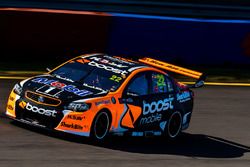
(176, 69)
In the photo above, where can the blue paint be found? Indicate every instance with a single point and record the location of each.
(140, 16)
(183, 40)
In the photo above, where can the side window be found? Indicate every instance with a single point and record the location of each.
(138, 86)
(161, 83)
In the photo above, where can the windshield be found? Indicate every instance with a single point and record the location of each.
(84, 74)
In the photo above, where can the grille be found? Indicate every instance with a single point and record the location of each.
(42, 99)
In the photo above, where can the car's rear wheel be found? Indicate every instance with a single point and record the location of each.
(174, 125)
(100, 126)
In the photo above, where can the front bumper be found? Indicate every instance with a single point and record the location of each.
(63, 120)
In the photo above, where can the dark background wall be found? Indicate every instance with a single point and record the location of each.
(40, 38)
(238, 9)
(50, 36)
(199, 42)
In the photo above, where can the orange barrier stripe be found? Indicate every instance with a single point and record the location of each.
(55, 11)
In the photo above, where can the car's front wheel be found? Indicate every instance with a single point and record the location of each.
(100, 126)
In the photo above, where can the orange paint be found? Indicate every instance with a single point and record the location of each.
(11, 105)
(55, 11)
(171, 67)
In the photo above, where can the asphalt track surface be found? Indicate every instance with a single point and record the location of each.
(219, 135)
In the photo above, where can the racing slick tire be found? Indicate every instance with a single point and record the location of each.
(174, 125)
(100, 126)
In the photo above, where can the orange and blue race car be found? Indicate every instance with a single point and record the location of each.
(96, 95)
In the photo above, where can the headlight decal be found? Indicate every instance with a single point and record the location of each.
(78, 107)
(18, 89)
(10, 110)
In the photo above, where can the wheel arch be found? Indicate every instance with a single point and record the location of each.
(109, 114)
(179, 129)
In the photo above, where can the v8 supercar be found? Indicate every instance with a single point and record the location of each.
(95, 95)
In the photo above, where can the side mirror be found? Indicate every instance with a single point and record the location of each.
(48, 69)
(200, 82)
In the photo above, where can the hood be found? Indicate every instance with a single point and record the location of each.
(62, 89)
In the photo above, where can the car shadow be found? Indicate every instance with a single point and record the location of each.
(190, 145)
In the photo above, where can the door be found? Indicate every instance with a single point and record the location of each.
(149, 97)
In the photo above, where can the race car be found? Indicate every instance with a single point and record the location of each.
(97, 95)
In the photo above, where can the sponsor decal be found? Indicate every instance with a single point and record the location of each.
(159, 83)
(10, 107)
(185, 118)
(22, 104)
(113, 100)
(152, 109)
(82, 60)
(11, 98)
(64, 78)
(48, 90)
(62, 86)
(170, 66)
(157, 133)
(131, 116)
(40, 99)
(163, 125)
(115, 78)
(93, 87)
(108, 68)
(120, 60)
(34, 122)
(35, 109)
(75, 117)
(157, 106)
(183, 97)
(71, 125)
(160, 80)
(137, 133)
(105, 61)
(151, 119)
(102, 102)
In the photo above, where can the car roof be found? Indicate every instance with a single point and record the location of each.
(116, 62)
